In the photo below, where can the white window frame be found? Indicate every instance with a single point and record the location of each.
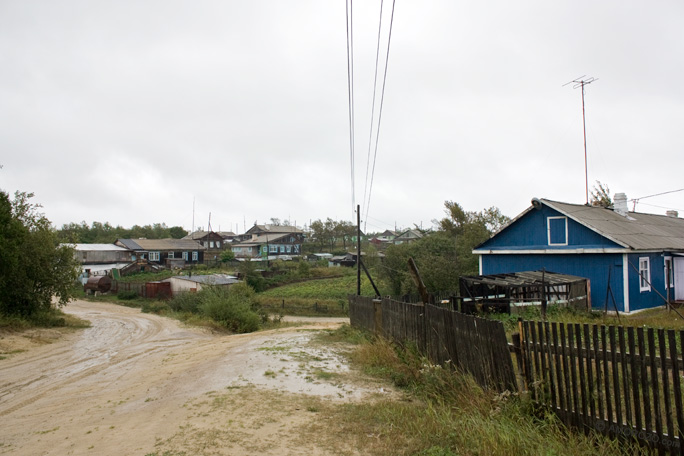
(668, 259)
(548, 230)
(154, 256)
(172, 255)
(211, 244)
(644, 274)
(185, 256)
(194, 256)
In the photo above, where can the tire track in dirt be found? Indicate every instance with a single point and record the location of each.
(112, 340)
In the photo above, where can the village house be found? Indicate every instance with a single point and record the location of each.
(176, 252)
(634, 261)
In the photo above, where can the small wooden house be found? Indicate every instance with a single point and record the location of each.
(634, 261)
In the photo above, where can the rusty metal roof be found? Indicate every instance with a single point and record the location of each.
(635, 231)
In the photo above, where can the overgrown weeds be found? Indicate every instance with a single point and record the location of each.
(445, 412)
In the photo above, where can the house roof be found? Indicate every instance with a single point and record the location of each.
(214, 279)
(201, 234)
(273, 229)
(636, 231)
(162, 244)
(97, 247)
(409, 234)
(262, 239)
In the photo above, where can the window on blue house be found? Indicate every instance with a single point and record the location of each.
(557, 230)
(644, 274)
(668, 273)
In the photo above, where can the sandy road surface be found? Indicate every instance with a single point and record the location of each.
(138, 384)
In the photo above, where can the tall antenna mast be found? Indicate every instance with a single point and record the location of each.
(581, 82)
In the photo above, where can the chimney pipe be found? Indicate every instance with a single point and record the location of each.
(620, 204)
(672, 213)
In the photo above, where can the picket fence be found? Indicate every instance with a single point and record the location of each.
(623, 382)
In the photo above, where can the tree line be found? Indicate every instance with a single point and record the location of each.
(104, 233)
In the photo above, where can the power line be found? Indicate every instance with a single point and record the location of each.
(382, 100)
(637, 200)
(658, 194)
(372, 119)
(350, 89)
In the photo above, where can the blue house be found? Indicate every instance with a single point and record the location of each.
(626, 254)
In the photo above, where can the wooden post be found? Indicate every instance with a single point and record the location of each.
(413, 269)
(358, 250)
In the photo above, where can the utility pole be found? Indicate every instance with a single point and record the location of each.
(358, 250)
(580, 83)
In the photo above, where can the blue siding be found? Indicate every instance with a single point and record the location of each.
(594, 267)
(530, 233)
(646, 299)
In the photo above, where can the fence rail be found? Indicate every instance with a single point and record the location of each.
(623, 382)
(471, 344)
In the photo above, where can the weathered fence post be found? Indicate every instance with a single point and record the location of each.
(377, 316)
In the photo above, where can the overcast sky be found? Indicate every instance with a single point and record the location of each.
(128, 111)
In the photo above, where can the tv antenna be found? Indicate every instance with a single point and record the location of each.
(580, 83)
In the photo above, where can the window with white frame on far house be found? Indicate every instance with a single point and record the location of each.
(194, 256)
(185, 256)
(644, 274)
(154, 256)
(171, 254)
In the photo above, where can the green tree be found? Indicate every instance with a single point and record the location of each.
(444, 255)
(34, 267)
(600, 195)
(227, 256)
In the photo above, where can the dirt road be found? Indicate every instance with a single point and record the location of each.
(140, 384)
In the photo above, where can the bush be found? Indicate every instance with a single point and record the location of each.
(127, 295)
(233, 308)
(186, 302)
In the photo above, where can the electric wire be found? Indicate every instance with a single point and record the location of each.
(382, 100)
(350, 90)
(372, 118)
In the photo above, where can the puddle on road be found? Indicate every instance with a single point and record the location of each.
(296, 365)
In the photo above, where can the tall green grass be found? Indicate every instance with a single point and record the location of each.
(444, 412)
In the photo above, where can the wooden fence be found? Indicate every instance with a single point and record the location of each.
(471, 344)
(623, 382)
(138, 287)
(626, 383)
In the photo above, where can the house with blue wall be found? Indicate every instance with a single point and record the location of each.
(634, 261)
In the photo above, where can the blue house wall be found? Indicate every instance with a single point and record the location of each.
(595, 267)
(524, 246)
(530, 233)
(638, 299)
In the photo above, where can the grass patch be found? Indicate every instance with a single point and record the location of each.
(55, 318)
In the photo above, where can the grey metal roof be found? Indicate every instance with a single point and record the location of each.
(635, 231)
(97, 247)
(214, 279)
(130, 244)
(162, 244)
(262, 239)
